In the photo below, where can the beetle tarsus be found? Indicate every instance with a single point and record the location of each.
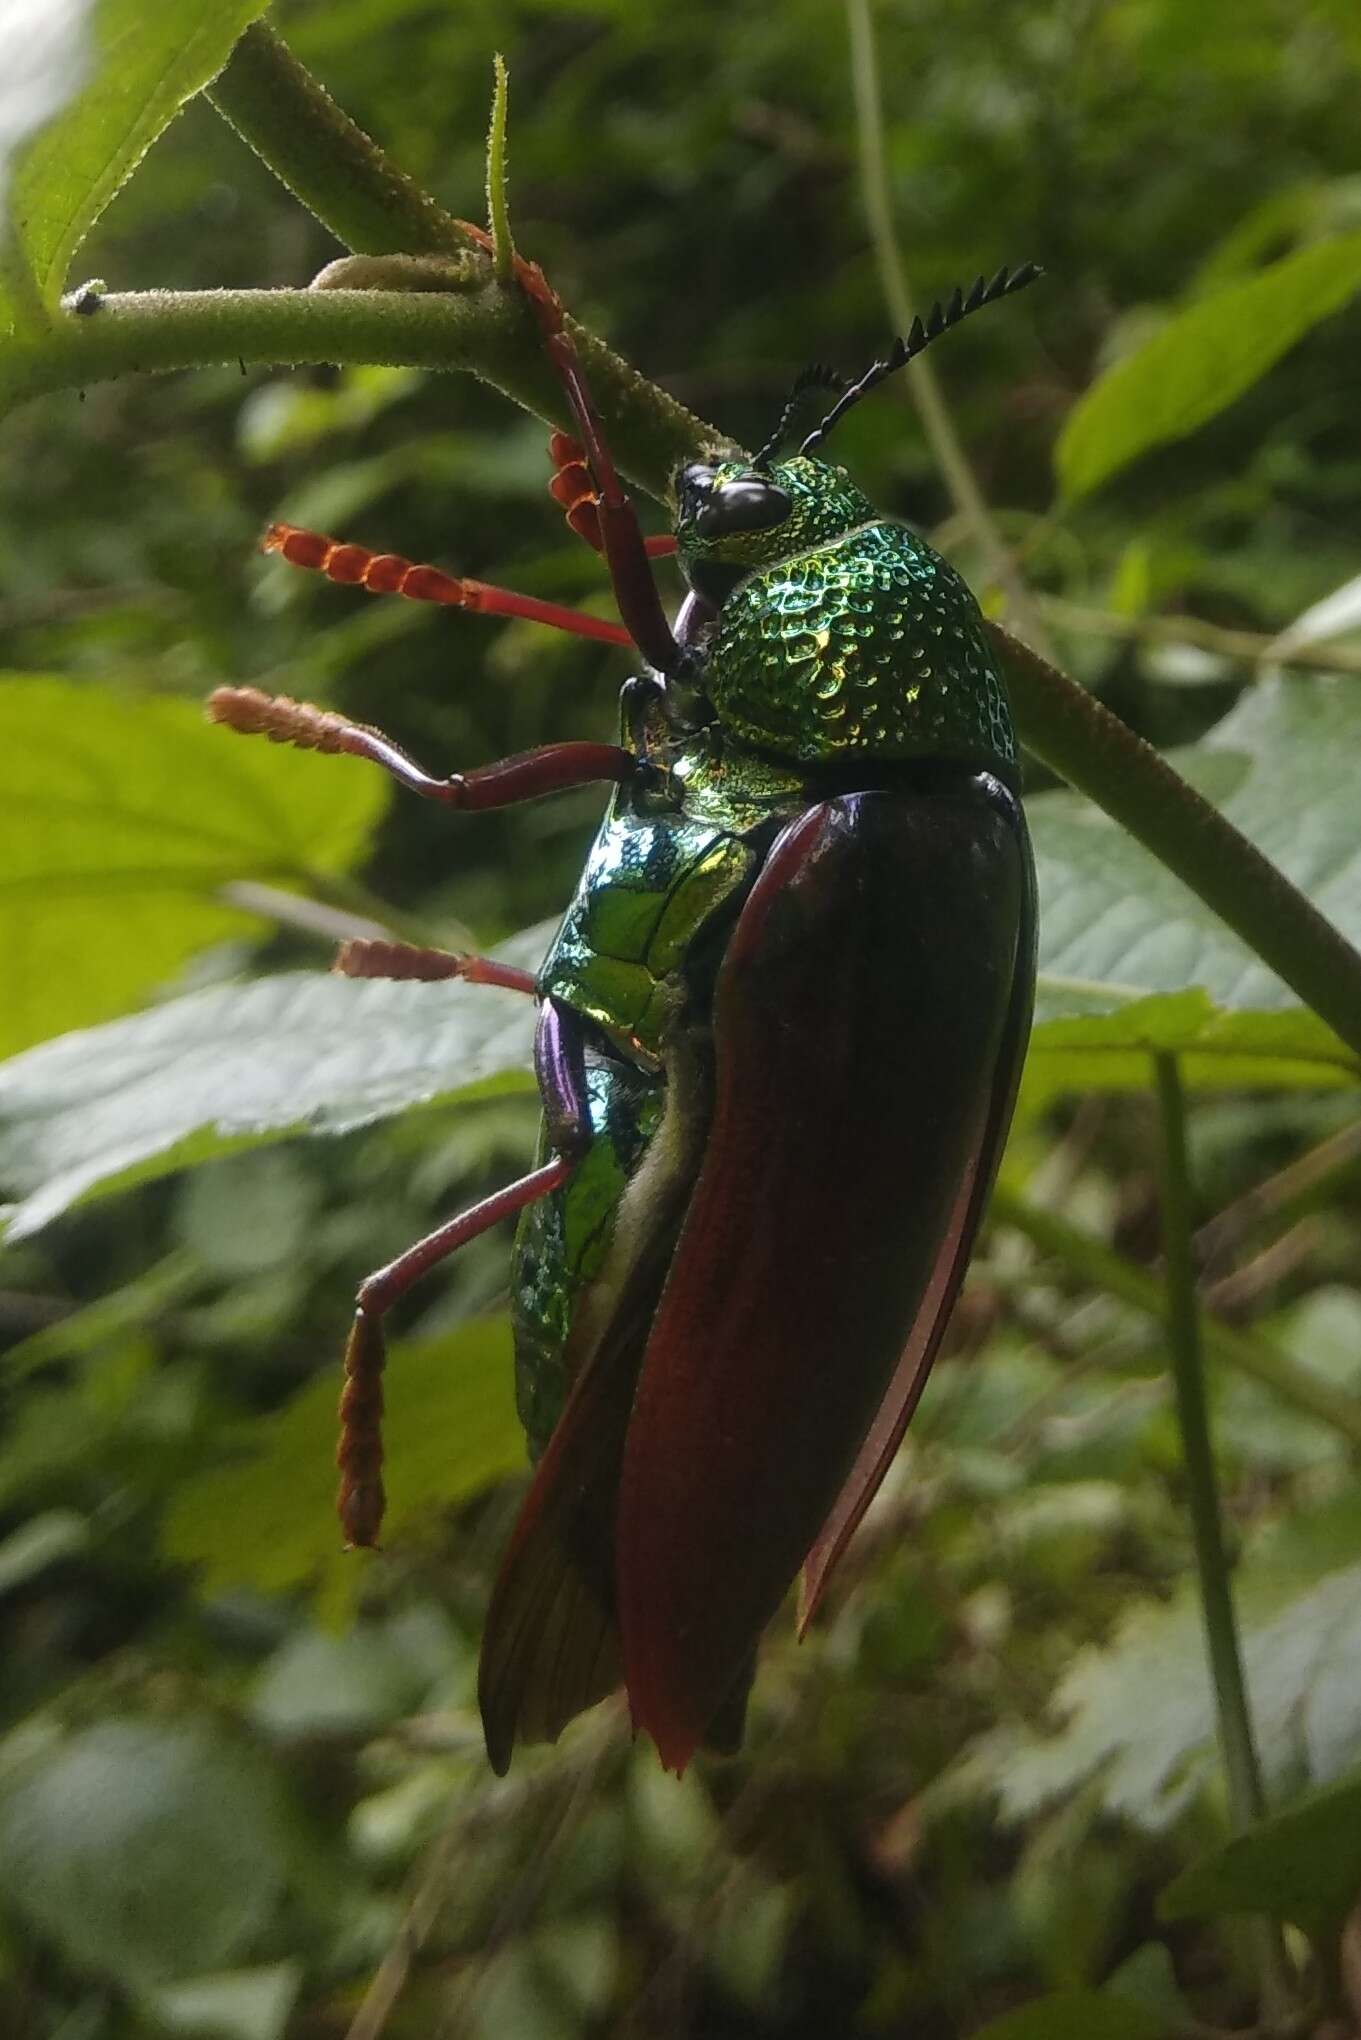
(359, 1454)
(363, 957)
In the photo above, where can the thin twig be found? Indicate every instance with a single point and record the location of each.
(1099, 1265)
(1243, 1285)
(1222, 1232)
(945, 443)
(1253, 647)
(1242, 1769)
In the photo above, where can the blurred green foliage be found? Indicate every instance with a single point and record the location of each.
(241, 1783)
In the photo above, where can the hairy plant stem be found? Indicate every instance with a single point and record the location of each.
(1093, 1262)
(325, 158)
(470, 323)
(1242, 1770)
(922, 381)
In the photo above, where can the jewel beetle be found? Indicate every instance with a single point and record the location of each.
(779, 1036)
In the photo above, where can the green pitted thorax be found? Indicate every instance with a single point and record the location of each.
(840, 634)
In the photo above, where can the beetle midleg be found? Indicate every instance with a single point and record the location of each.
(362, 958)
(559, 1061)
(552, 768)
(354, 566)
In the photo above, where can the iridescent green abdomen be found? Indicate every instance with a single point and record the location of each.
(562, 1240)
(635, 953)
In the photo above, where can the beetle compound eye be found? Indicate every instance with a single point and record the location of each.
(750, 504)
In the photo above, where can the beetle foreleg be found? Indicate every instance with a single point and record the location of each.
(574, 490)
(616, 520)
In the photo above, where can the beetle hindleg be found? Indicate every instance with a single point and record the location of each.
(362, 958)
(559, 1060)
(552, 768)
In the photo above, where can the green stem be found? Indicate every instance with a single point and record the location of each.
(498, 196)
(1071, 731)
(1247, 1799)
(1100, 1266)
(470, 323)
(325, 159)
(922, 380)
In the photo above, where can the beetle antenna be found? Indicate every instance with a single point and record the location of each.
(921, 333)
(817, 376)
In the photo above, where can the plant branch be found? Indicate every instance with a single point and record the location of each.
(1172, 628)
(922, 380)
(1242, 1770)
(1071, 731)
(1093, 1262)
(467, 323)
(326, 160)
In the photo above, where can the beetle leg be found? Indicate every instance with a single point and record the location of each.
(552, 768)
(621, 535)
(360, 958)
(573, 489)
(559, 1060)
(389, 574)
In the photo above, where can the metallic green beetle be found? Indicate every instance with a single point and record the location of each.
(780, 1033)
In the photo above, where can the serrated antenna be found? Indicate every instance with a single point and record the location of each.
(919, 336)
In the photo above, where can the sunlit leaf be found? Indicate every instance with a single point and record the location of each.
(1332, 616)
(240, 2004)
(143, 62)
(1131, 960)
(227, 1068)
(1202, 359)
(121, 819)
(1138, 1714)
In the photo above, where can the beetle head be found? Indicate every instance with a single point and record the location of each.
(732, 517)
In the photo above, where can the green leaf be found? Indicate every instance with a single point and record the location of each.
(146, 1849)
(121, 820)
(1302, 1865)
(346, 1683)
(1077, 2015)
(1131, 960)
(143, 63)
(1138, 1713)
(232, 1067)
(1202, 359)
(242, 2004)
(268, 1520)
